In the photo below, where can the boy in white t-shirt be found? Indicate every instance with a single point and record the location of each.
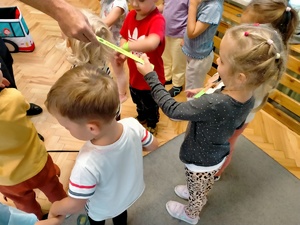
(107, 177)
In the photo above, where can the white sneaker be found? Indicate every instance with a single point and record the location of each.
(176, 210)
(182, 191)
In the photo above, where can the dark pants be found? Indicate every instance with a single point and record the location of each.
(6, 61)
(146, 107)
(118, 220)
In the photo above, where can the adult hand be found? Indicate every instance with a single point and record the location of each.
(77, 26)
(145, 68)
(71, 21)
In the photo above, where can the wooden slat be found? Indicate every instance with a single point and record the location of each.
(217, 42)
(295, 48)
(293, 64)
(285, 101)
(291, 123)
(232, 13)
(223, 26)
(291, 82)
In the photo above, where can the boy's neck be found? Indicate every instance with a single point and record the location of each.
(109, 134)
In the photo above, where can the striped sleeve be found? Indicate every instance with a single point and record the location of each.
(147, 138)
(82, 183)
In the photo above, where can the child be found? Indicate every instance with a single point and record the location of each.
(143, 31)
(203, 19)
(25, 164)
(249, 57)
(113, 13)
(80, 53)
(279, 14)
(173, 56)
(283, 18)
(108, 173)
(13, 216)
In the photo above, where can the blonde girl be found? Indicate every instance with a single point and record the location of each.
(250, 56)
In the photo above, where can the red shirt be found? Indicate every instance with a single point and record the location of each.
(132, 30)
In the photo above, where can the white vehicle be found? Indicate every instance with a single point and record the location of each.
(14, 31)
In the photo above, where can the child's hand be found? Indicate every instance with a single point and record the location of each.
(191, 92)
(145, 68)
(211, 81)
(119, 58)
(3, 81)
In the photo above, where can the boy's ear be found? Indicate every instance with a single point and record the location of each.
(93, 127)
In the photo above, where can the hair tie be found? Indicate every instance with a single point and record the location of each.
(288, 9)
(270, 42)
(277, 56)
(246, 34)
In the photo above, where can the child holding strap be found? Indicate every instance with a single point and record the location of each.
(107, 177)
(284, 19)
(144, 31)
(205, 146)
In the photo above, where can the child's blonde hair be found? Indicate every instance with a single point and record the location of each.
(81, 52)
(276, 12)
(84, 92)
(260, 54)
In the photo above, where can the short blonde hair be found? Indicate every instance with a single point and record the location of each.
(84, 92)
(80, 53)
(260, 54)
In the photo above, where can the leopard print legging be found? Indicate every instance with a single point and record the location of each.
(199, 184)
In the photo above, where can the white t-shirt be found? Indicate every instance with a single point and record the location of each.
(111, 177)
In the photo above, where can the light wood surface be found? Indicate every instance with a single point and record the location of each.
(35, 73)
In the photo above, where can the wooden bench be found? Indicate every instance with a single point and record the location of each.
(281, 105)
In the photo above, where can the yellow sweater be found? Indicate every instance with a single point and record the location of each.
(22, 153)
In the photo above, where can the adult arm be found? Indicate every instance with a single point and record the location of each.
(71, 21)
(194, 27)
